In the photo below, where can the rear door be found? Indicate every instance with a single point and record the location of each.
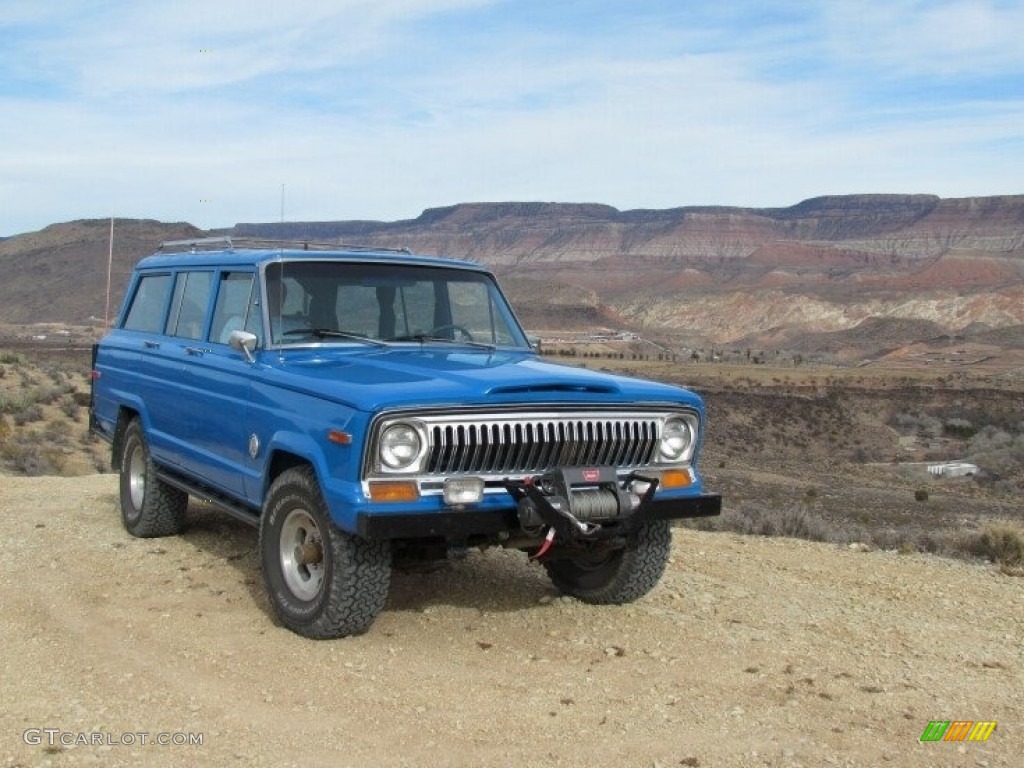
(172, 404)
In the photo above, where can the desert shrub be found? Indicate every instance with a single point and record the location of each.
(27, 458)
(959, 428)
(6, 356)
(27, 414)
(50, 395)
(69, 407)
(58, 432)
(794, 522)
(996, 450)
(1003, 543)
(918, 423)
(920, 495)
(893, 539)
(990, 438)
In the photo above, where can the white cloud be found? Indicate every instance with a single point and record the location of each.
(912, 37)
(380, 109)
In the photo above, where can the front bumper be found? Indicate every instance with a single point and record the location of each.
(456, 525)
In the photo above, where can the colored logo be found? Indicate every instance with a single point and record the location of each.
(958, 730)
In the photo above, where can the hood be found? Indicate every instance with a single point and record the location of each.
(370, 380)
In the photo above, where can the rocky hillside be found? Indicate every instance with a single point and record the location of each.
(59, 274)
(703, 274)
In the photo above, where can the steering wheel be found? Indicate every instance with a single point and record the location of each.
(452, 327)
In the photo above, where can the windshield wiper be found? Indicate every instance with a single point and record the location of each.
(422, 338)
(321, 333)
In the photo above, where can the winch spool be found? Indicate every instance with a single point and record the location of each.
(594, 504)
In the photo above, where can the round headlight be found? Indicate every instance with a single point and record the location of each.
(676, 439)
(400, 446)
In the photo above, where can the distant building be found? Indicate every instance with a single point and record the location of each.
(953, 469)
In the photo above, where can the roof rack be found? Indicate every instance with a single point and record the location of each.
(226, 242)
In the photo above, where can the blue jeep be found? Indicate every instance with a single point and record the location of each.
(365, 408)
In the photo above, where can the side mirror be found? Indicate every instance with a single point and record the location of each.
(244, 342)
(534, 342)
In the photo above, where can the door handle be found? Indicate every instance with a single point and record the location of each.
(150, 344)
(194, 351)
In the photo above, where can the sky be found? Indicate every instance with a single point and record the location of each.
(223, 111)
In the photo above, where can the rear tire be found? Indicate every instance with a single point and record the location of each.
(149, 507)
(616, 577)
(322, 582)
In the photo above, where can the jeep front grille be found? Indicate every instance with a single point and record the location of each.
(516, 446)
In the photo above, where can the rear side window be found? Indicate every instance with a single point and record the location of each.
(236, 308)
(146, 312)
(188, 305)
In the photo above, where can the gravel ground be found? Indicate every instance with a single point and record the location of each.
(750, 652)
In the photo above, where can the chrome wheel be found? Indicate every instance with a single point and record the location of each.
(302, 554)
(137, 477)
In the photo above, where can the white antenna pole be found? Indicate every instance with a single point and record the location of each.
(110, 262)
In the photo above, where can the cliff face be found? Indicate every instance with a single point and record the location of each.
(722, 274)
(715, 274)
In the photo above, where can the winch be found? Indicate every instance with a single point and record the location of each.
(579, 502)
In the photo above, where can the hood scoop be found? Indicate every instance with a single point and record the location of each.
(554, 386)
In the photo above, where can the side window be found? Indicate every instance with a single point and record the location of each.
(147, 310)
(236, 307)
(188, 305)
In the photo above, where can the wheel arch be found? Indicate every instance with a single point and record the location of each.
(279, 462)
(125, 415)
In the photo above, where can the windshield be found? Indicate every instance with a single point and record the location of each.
(346, 302)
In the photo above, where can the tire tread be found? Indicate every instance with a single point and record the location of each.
(163, 511)
(637, 570)
(359, 575)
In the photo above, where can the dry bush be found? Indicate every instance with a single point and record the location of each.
(795, 522)
(1003, 543)
(69, 407)
(28, 413)
(27, 458)
(1000, 542)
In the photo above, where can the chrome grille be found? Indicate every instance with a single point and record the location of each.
(512, 446)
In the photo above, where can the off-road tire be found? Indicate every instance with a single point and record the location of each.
(616, 577)
(149, 507)
(343, 593)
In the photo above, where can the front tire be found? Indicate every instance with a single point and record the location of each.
(616, 577)
(149, 507)
(322, 582)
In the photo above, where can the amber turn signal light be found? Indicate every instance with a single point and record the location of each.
(675, 478)
(393, 490)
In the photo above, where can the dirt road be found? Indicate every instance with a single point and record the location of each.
(751, 652)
